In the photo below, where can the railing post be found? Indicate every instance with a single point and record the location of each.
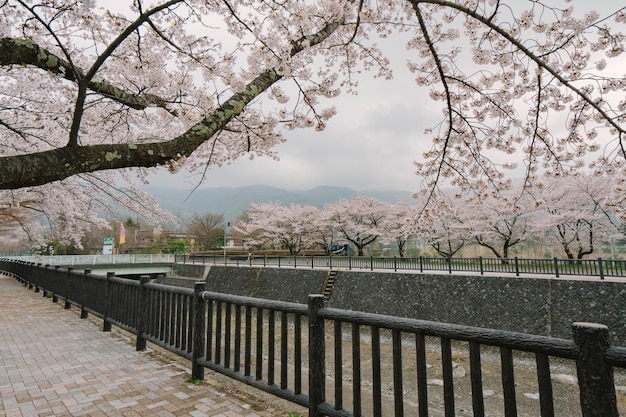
(142, 312)
(350, 262)
(27, 271)
(42, 279)
(601, 269)
(35, 276)
(449, 259)
(421, 264)
(83, 297)
(556, 267)
(371, 263)
(516, 267)
(68, 286)
(595, 377)
(317, 356)
(395, 264)
(106, 325)
(57, 284)
(480, 261)
(199, 331)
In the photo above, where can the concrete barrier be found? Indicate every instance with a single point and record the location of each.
(542, 306)
(269, 283)
(198, 272)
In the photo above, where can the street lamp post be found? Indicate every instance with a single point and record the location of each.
(225, 233)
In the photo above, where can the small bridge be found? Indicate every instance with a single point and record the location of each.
(129, 265)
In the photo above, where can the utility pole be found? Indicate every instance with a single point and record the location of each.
(225, 233)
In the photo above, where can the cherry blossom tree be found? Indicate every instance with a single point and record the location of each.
(358, 221)
(280, 227)
(397, 225)
(576, 215)
(20, 215)
(87, 88)
(442, 227)
(65, 211)
(321, 232)
(499, 222)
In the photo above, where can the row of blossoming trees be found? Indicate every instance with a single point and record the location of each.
(571, 215)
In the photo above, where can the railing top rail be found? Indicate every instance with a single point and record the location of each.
(616, 356)
(120, 280)
(169, 288)
(257, 302)
(95, 259)
(592, 267)
(519, 341)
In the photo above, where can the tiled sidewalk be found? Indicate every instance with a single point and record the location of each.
(52, 363)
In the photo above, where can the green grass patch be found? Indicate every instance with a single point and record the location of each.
(194, 381)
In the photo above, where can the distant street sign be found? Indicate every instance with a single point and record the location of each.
(108, 241)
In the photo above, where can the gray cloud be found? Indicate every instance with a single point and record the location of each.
(370, 144)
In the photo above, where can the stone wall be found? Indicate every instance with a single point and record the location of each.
(198, 272)
(270, 283)
(542, 306)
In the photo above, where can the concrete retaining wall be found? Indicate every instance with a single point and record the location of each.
(542, 306)
(269, 283)
(198, 272)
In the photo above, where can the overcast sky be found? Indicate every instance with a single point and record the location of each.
(370, 144)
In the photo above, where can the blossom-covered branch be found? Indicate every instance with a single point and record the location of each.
(25, 52)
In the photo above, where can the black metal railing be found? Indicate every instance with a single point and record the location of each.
(346, 363)
(586, 267)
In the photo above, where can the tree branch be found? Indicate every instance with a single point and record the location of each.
(56, 164)
(24, 52)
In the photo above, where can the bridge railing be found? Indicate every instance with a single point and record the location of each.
(82, 260)
(346, 363)
(599, 267)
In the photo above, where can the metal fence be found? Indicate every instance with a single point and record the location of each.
(519, 266)
(82, 260)
(586, 267)
(346, 363)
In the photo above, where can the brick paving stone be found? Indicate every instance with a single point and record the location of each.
(52, 363)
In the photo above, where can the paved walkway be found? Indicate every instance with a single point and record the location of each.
(52, 363)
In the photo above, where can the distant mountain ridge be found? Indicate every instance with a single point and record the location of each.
(233, 201)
